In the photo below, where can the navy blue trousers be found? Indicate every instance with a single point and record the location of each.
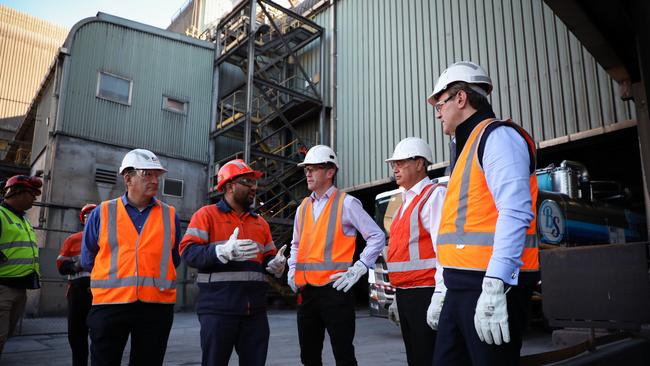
(147, 324)
(458, 344)
(324, 308)
(247, 334)
(419, 338)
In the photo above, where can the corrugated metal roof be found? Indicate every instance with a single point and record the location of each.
(159, 63)
(389, 54)
(28, 46)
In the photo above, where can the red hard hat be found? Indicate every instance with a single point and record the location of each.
(19, 183)
(233, 169)
(86, 210)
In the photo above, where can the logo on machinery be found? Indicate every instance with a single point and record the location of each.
(550, 222)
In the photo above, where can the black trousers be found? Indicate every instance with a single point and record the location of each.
(147, 324)
(458, 343)
(79, 302)
(419, 338)
(324, 308)
(247, 334)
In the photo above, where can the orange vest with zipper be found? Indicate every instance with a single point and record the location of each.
(131, 267)
(469, 213)
(324, 248)
(411, 258)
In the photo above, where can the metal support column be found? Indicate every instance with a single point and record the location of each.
(249, 81)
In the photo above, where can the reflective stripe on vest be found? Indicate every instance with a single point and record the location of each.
(418, 270)
(461, 248)
(315, 266)
(18, 244)
(230, 276)
(134, 286)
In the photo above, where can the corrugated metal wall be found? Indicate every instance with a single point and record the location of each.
(390, 52)
(28, 47)
(158, 66)
(310, 55)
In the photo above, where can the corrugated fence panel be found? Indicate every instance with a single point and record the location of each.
(157, 66)
(391, 52)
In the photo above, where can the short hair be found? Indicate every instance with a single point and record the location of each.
(476, 100)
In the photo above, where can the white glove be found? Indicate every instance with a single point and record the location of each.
(491, 317)
(345, 280)
(435, 308)
(393, 314)
(291, 280)
(276, 265)
(236, 250)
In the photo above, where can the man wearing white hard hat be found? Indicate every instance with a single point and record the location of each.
(130, 248)
(411, 258)
(321, 266)
(486, 241)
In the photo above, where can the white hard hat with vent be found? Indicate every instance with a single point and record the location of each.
(140, 159)
(411, 147)
(466, 71)
(320, 154)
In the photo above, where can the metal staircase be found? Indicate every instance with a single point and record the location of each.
(258, 119)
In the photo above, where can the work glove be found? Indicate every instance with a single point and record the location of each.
(435, 308)
(393, 315)
(291, 281)
(76, 266)
(236, 249)
(491, 317)
(276, 265)
(345, 280)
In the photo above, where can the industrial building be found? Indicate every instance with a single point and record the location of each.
(27, 47)
(267, 81)
(115, 85)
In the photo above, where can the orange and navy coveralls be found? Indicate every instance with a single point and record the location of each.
(231, 304)
(132, 256)
(487, 230)
(78, 295)
(412, 266)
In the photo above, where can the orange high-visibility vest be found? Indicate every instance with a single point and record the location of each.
(469, 213)
(411, 258)
(324, 248)
(131, 267)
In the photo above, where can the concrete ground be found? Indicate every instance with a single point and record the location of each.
(377, 341)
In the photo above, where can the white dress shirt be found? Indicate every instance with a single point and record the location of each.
(353, 219)
(430, 218)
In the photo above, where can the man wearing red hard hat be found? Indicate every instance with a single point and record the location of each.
(19, 267)
(231, 246)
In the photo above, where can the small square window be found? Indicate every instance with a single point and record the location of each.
(173, 187)
(114, 88)
(174, 105)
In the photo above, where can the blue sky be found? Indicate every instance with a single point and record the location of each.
(67, 12)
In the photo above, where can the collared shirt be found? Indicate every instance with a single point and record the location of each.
(430, 217)
(353, 219)
(506, 163)
(90, 246)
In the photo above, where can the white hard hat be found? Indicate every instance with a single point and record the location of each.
(411, 147)
(320, 154)
(466, 71)
(140, 159)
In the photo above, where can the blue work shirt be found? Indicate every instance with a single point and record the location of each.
(90, 239)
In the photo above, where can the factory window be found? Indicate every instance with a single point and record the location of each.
(114, 88)
(174, 105)
(173, 187)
